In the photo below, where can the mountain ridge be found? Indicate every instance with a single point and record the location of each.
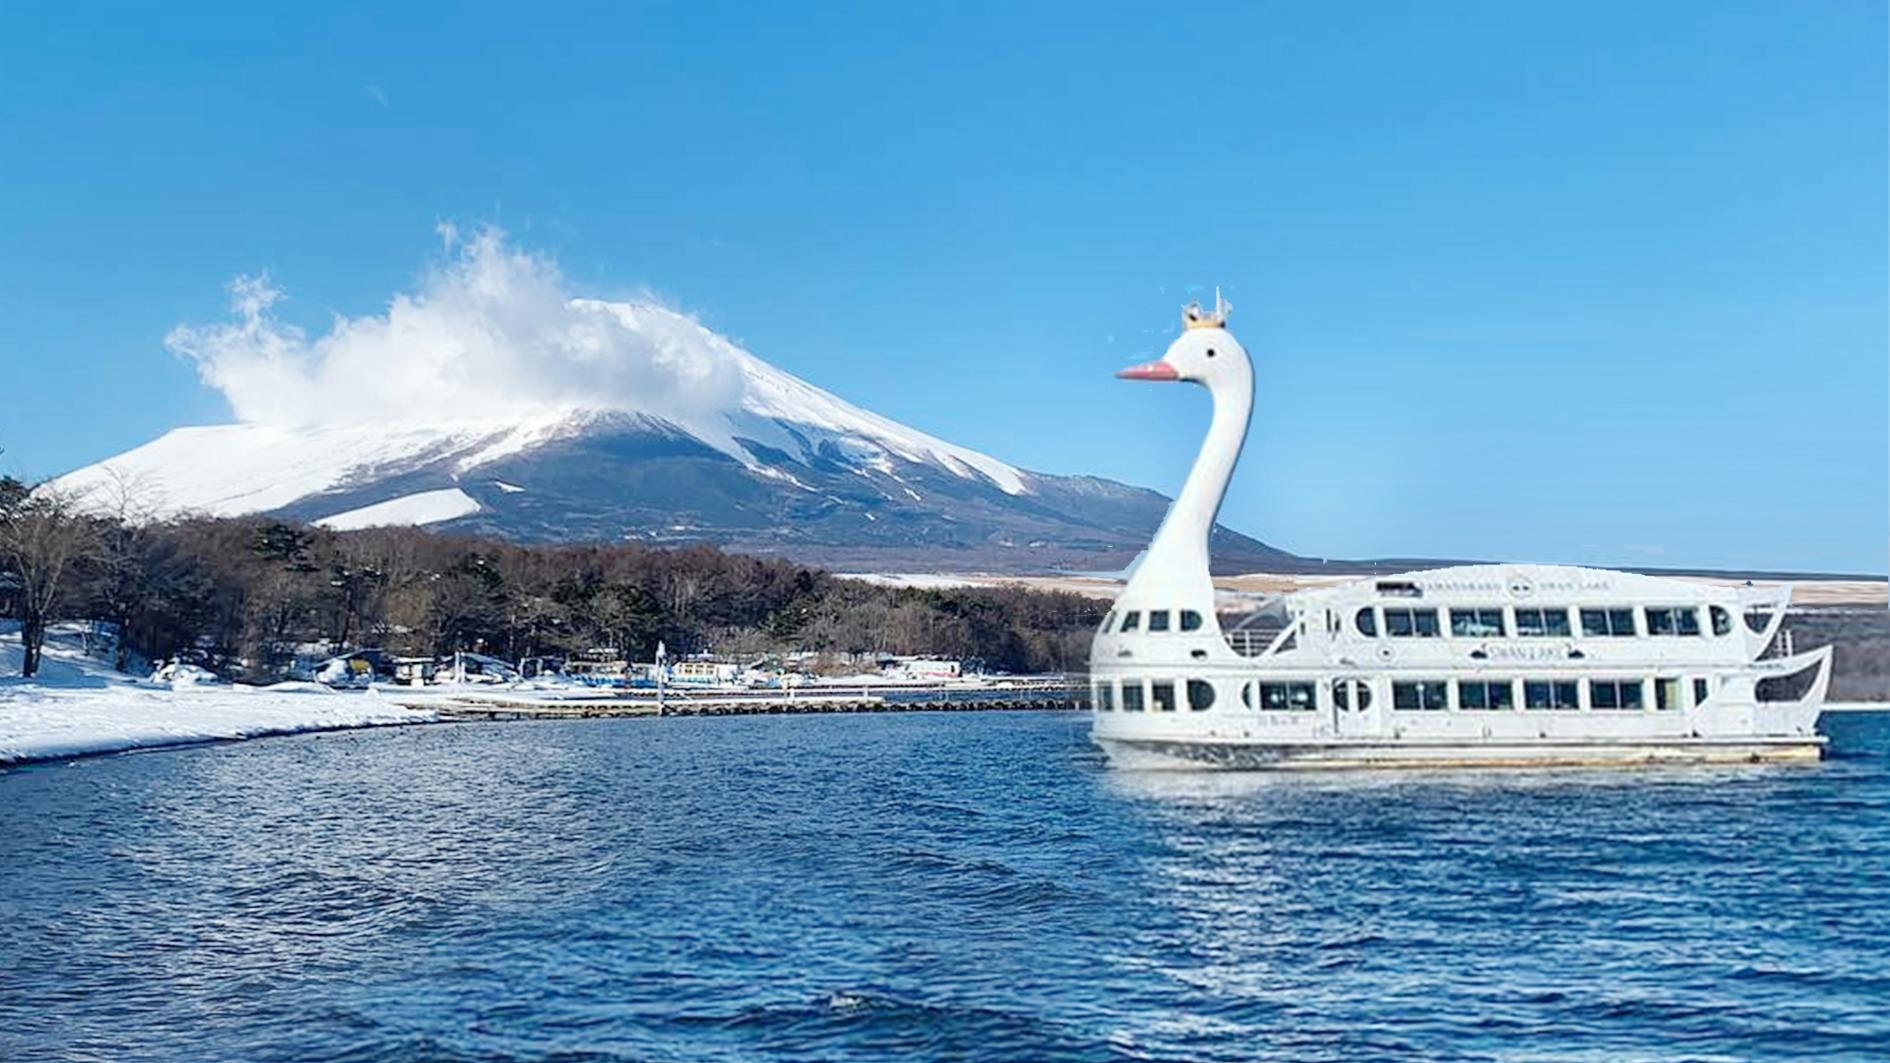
(773, 465)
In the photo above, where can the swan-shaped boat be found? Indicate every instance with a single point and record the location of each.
(1510, 664)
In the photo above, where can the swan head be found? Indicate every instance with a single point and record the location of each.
(1201, 355)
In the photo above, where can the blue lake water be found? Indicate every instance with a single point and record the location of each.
(973, 886)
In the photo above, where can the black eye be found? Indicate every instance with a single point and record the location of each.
(1210, 352)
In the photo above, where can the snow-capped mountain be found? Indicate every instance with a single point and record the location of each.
(745, 456)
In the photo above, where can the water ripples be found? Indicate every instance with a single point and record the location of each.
(943, 887)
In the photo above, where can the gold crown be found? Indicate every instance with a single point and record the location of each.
(1192, 316)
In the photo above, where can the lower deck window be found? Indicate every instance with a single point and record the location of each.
(1666, 694)
(1342, 694)
(1162, 694)
(1699, 692)
(1286, 697)
(1788, 686)
(1551, 694)
(1420, 696)
(1105, 697)
(1494, 695)
(1615, 694)
(1131, 620)
(1158, 620)
(1677, 621)
(1200, 695)
(1190, 620)
(1132, 696)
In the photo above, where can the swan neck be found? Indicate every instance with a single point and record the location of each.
(1184, 533)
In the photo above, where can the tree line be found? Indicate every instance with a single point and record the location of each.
(242, 595)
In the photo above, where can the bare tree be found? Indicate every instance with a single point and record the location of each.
(123, 504)
(42, 534)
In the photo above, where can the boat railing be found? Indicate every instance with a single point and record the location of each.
(1254, 634)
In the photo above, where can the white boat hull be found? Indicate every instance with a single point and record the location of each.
(1245, 755)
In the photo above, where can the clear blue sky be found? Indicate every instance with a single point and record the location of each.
(1587, 282)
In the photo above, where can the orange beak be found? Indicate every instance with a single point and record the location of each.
(1156, 370)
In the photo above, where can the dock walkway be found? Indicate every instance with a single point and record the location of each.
(465, 704)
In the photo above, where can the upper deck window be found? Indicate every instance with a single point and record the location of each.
(1722, 621)
(1542, 623)
(1401, 623)
(1675, 621)
(1109, 621)
(1476, 623)
(1366, 621)
(1158, 620)
(1601, 623)
(1105, 697)
(1190, 620)
(1131, 620)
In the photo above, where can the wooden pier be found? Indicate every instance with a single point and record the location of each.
(464, 704)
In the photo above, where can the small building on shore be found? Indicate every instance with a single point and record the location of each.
(922, 669)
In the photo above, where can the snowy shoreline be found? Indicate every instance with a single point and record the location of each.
(78, 707)
(36, 727)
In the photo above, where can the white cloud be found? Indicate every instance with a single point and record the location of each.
(489, 330)
(493, 334)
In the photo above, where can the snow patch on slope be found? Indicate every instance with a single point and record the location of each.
(229, 470)
(426, 507)
(782, 411)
